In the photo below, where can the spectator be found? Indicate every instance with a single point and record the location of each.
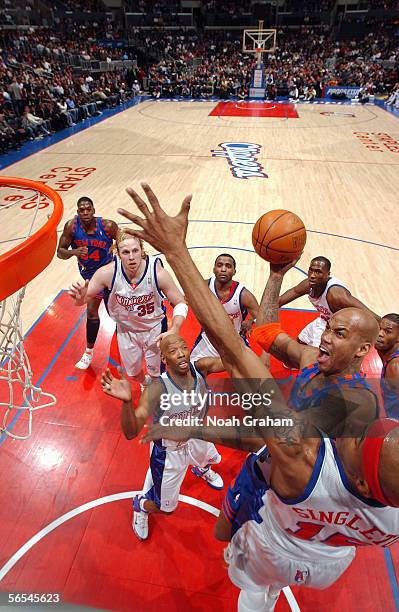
(35, 126)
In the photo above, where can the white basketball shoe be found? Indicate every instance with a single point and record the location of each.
(140, 519)
(84, 361)
(211, 478)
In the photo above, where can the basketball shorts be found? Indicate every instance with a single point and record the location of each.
(259, 556)
(204, 348)
(136, 346)
(239, 503)
(168, 467)
(311, 334)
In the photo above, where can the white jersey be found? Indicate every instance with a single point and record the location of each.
(321, 304)
(234, 309)
(178, 404)
(137, 307)
(328, 517)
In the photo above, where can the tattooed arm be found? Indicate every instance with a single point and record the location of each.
(167, 235)
(284, 347)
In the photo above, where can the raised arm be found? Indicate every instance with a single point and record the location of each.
(340, 297)
(295, 292)
(167, 234)
(132, 421)
(280, 344)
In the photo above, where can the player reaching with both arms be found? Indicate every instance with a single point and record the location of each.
(89, 239)
(320, 499)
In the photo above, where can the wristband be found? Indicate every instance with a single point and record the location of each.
(266, 334)
(180, 310)
(371, 452)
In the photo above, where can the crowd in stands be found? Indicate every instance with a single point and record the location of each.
(297, 6)
(40, 92)
(154, 6)
(383, 4)
(88, 6)
(303, 60)
(39, 95)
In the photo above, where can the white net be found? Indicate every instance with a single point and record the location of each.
(18, 393)
(19, 396)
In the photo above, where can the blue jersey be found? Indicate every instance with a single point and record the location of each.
(98, 244)
(304, 395)
(390, 396)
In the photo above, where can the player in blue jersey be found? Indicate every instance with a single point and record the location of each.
(387, 346)
(90, 240)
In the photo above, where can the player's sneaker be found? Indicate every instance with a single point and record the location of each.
(84, 361)
(211, 478)
(140, 519)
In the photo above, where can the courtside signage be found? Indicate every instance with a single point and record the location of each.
(241, 157)
(350, 92)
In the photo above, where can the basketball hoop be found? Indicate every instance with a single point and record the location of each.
(259, 41)
(18, 266)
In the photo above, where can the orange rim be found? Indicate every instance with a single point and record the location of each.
(25, 261)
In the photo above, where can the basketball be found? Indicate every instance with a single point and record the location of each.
(279, 236)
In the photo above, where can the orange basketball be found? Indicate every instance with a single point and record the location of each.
(279, 236)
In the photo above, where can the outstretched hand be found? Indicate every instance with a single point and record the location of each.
(165, 233)
(283, 268)
(116, 387)
(78, 292)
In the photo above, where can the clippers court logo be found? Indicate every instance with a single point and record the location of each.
(242, 159)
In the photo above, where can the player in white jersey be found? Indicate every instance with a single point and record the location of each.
(393, 99)
(326, 293)
(180, 395)
(135, 286)
(237, 302)
(310, 540)
(361, 475)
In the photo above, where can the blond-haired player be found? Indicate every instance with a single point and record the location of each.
(135, 286)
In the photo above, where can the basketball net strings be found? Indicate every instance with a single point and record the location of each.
(17, 392)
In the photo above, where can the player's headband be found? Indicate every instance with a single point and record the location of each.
(371, 451)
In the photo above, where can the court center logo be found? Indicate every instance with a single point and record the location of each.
(242, 159)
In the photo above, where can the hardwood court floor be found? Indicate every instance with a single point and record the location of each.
(337, 171)
(318, 165)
